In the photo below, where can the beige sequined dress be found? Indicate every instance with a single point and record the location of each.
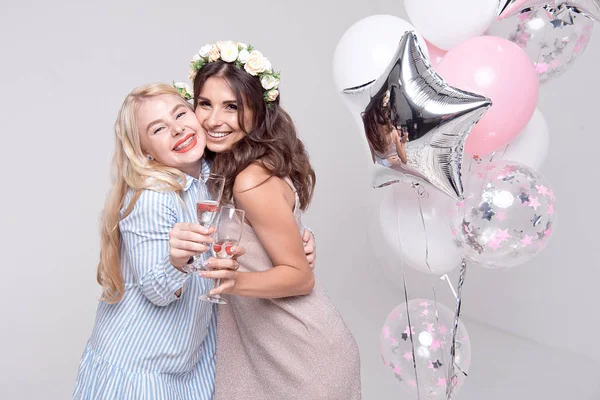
(279, 349)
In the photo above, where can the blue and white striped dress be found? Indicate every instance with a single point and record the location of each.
(152, 345)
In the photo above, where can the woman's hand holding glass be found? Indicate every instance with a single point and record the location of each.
(224, 269)
(187, 240)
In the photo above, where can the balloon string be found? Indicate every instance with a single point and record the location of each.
(505, 150)
(437, 319)
(412, 343)
(451, 377)
(447, 279)
(386, 184)
(422, 194)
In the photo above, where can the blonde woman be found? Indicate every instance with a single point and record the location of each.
(153, 338)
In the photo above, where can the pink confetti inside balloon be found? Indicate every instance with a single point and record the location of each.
(507, 216)
(552, 38)
(430, 335)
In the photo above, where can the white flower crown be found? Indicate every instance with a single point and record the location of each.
(184, 90)
(386, 98)
(243, 56)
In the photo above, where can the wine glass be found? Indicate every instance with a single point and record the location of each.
(210, 187)
(230, 226)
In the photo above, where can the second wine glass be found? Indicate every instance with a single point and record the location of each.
(230, 225)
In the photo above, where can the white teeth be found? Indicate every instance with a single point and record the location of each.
(218, 134)
(182, 145)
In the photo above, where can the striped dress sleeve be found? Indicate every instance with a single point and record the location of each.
(145, 242)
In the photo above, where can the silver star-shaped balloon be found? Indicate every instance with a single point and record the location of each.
(435, 116)
(589, 8)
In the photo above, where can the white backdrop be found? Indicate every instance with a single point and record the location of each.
(65, 68)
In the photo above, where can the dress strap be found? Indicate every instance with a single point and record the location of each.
(291, 184)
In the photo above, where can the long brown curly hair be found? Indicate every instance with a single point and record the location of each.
(272, 141)
(376, 120)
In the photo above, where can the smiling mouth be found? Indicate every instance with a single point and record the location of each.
(218, 135)
(182, 144)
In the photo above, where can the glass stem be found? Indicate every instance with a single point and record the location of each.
(216, 283)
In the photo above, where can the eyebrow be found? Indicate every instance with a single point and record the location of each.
(156, 121)
(225, 102)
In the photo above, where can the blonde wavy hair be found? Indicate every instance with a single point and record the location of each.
(131, 169)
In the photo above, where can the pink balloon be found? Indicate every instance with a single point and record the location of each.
(498, 69)
(435, 54)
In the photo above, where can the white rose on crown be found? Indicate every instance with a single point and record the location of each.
(386, 98)
(184, 90)
(229, 51)
(242, 46)
(243, 56)
(269, 82)
(268, 66)
(272, 94)
(196, 58)
(180, 85)
(214, 54)
(205, 50)
(256, 63)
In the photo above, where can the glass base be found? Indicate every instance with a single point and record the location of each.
(212, 299)
(195, 266)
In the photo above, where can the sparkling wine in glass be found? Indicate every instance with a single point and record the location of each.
(206, 210)
(223, 248)
(210, 191)
(230, 226)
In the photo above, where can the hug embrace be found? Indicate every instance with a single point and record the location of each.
(279, 336)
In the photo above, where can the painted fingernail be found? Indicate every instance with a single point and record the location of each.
(208, 262)
(202, 274)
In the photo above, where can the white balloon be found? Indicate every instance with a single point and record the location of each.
(366, 49)
(424, 244)
(530, 148)
(446, 23)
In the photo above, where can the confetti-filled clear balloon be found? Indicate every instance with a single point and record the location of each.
(507, 216)
(553, 38)
(589, 8)
(430, 330)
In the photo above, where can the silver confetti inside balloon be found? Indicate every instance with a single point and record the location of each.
(552, 38)
(415, 122)
(507, 216)
(428, 337)
(589, 8)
